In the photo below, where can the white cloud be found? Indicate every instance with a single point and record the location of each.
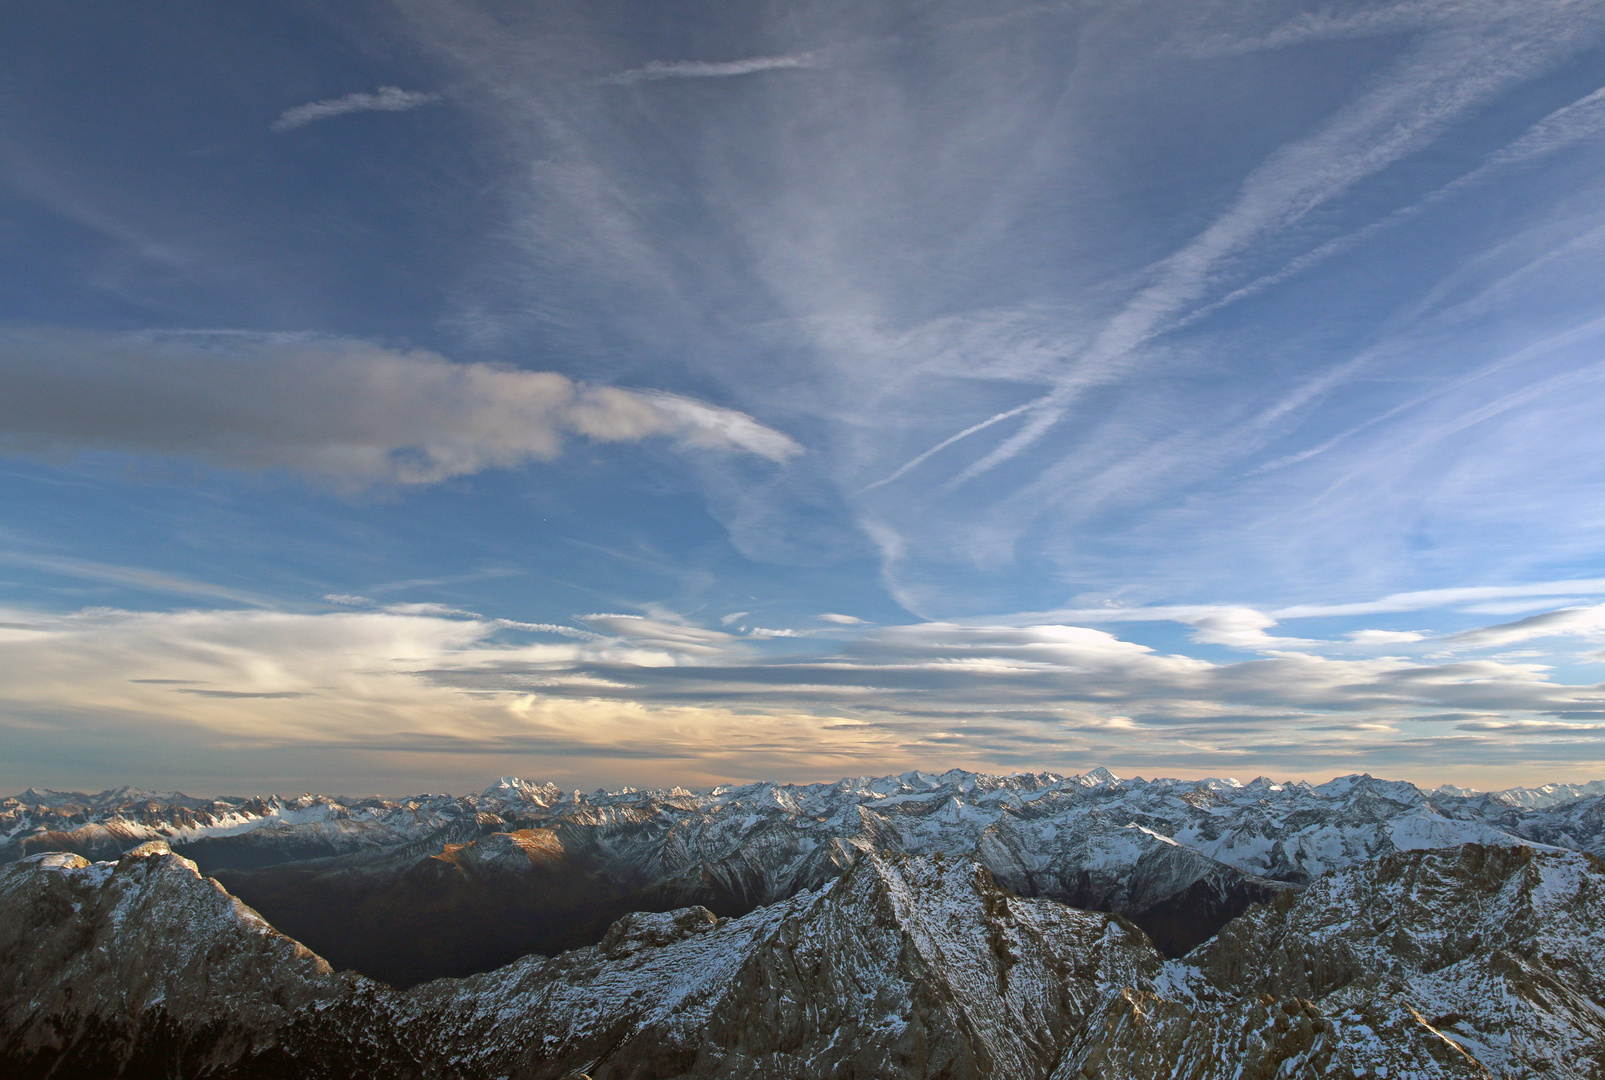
(1427, 599)
(1586, 622)
(698, 424)
(347, 599)
(1313, 26)
(343, 411)
(1076, 649)
(439, 611)
(841, 620)
(704, 69)
(1464, 598)
(1240, 628)
(1245, 627)
(548, 628)
(1384, 637)
(385, 99)
(1012, 688)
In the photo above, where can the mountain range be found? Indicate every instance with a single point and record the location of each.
(924, 925)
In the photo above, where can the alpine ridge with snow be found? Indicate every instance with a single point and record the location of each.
(960, 925)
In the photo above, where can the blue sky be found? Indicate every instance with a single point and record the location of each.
(398, 395)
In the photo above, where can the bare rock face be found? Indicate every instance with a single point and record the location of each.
(1141, 1035)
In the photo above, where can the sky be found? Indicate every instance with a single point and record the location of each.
(397, 395)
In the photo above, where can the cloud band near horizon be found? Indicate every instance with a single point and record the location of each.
(661, 699)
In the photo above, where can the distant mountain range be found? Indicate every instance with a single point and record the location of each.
(959, 925)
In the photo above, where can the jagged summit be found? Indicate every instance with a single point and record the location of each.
(511, 787)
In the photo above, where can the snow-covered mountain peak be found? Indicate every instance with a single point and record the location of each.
(512, 788)
(52, 798)
(1356, 784)
(1547, 795)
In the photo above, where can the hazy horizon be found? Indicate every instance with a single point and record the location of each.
(477, 788)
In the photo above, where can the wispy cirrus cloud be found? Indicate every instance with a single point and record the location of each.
(711, 69)
(1463, 597)
(135, 577)
(673, 637)
(1436, 84)
(385, 99)
(1426, 599)
(1561, 129)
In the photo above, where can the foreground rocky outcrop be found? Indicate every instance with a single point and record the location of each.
(1473, 961)
(142, 962)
